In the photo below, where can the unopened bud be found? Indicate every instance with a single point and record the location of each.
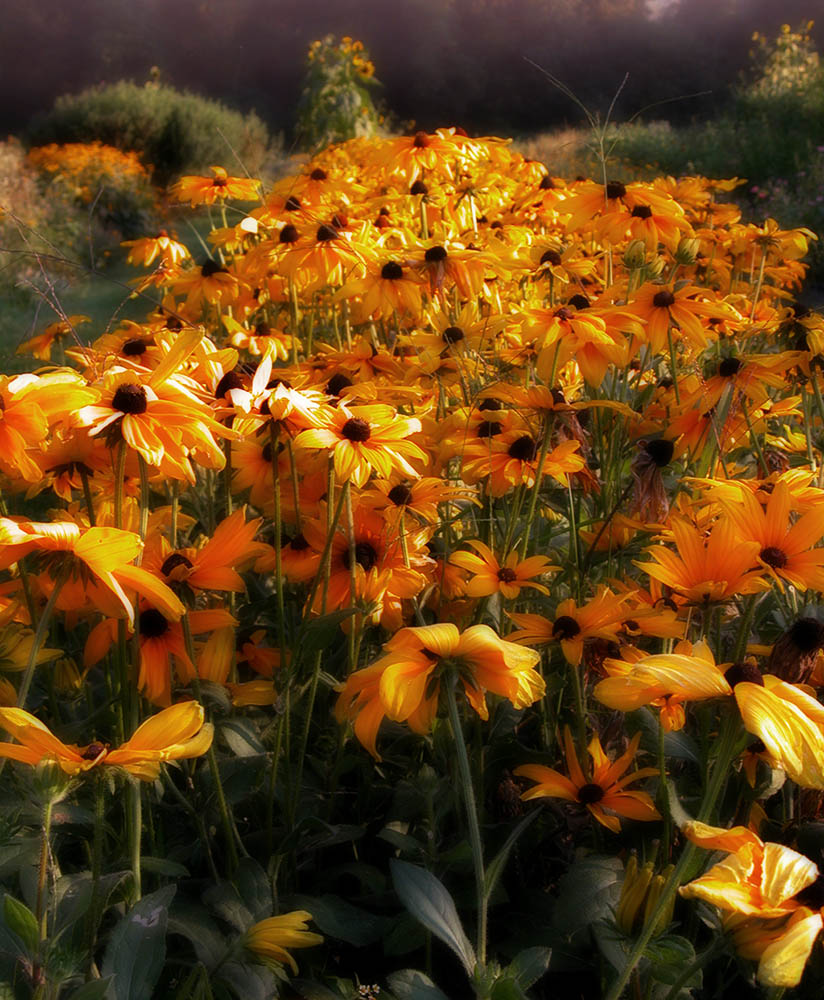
(687, 250)
(635, 255)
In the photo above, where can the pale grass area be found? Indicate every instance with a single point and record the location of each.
(573, 152)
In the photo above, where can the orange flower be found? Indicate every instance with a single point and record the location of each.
(605, 789)
(490, 577)
(208, 190)
(364, 439)
(176, 733)
(404, 683)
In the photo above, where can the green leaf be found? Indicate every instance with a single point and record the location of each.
(508, 988)
(254, 888)
(137, 947)
(224, 900)
(21, 921)
(320, 633)
(669, 957)
(676, 744)
(242, 737)
(163, 866)
(426, 899)
(339, 919)
(409, 984)
(94, 990)
(194, 923)
(587, 892)
(498, 863)
(529, 965)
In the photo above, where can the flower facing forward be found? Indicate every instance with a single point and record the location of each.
(268, 939)
(604, 790)
(404, 683)
(491, 577)
(173, 734)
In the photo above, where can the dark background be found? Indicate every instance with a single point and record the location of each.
(441, 62)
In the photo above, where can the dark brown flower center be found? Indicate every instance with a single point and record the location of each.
(392, 271)
(739, 672)
(133, 348)
(806, 634)
(434, 255)
(579, 301)
(336, 384)
(660, 451)
(642, 212)
(318, 174)
(356, 429)
(93, 751)
(292, 204)
(326, 233)
(400, 495)
(231, 380)
(547, 183)
(490, 403)
(774, 557)
(210, 267)
(288, 234)
(421, 140)
(590, 793)
(453, 335)
(729, 367)
(173, 561)
(130, 398)
(507, 575)
(152, 624)
(489, 428)
(563, 314)
(524, 449)
(565, 627)
(663, 300)
(615, 189)
(551, 257)
(298, 543)
(365, 556)
(419, 188)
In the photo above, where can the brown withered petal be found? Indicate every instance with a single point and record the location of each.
(794, 654)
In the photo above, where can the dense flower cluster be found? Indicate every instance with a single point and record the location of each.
(508, 434)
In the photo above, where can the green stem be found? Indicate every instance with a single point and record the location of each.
(87, 495)
(39, 637)
(472, 816)
(119, 476)
(725, 756)
(135, 834)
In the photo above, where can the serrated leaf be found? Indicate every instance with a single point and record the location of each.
(669, 957)
(426, 899)
(21, 921)
(96, 989)
(409, 984)
(498, 863)
(529, 965)
(137, 947)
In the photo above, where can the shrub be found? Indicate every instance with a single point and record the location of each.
(173, 132)
(335, 103)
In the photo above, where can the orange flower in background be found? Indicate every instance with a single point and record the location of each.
(40, 346)
(176, 733)
(605, 790)
(218, 187)
(490, 577)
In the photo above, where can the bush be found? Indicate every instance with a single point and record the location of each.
(335, 104)
(173, 132)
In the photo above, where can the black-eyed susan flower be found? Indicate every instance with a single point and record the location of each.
(176, 733)
(489, 576)
(603, 789)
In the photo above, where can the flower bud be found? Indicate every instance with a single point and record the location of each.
(635, 255)
(687, 250)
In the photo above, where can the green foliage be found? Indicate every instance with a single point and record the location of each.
(174, 132)
(335, 102)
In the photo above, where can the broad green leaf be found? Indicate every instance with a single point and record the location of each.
(320, 633)
(339, 919)
(587, 892)
(137, 947)
(409, 984)
(163, 866)
(254, 888)
(426, 898)
(21, 921)
(529, 965)
(241, 737)
(191, 921)
(670, 956)
(508, 988)
(96, 989)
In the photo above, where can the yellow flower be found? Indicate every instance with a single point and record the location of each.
(269, 939)
(490, 577)
(173, 734)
